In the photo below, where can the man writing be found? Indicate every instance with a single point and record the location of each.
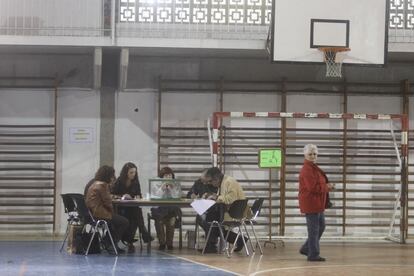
(201, 189)
(229, 190)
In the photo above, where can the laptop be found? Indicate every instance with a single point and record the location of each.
(164, 189)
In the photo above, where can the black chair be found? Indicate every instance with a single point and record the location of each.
(71, 213)
(178, 225)
(237, 212)
(99, 226)
(217, 223)
(256, 208)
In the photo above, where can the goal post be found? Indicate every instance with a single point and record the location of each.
(216, 124)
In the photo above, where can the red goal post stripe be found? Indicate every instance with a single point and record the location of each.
(309, 115)
(358, 116)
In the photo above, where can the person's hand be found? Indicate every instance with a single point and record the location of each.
(193, 196)
(331, 186)
(127, 196)
(212, 197)
(204, 196)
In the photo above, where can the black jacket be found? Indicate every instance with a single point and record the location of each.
(199, 188)
(120, 189)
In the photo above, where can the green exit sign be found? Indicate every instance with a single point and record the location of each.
(270, 158)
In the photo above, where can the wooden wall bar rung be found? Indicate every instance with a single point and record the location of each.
(26, 222)
(22, 203)
(31, 196)
(27, 126)
(26, 161)
(26, 144)
(26, 213)
(29, 178)
(25, 152)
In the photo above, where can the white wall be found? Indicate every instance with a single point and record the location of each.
(136, 134)
(186, 109)
(19, 106)
(77, 108)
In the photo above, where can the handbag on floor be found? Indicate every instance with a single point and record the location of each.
(191, 239)
(84, 239)
(73, 245)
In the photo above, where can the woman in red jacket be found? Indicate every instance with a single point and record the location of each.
(313, 193)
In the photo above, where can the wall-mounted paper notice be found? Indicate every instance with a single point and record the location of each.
(80, 135)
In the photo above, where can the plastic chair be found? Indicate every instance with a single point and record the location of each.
(97, 226)
(72, 215)
(256, 208)
(237, 213)
(178, 224)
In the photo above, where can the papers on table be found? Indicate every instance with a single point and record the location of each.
(202, 205)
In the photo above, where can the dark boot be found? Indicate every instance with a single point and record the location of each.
(240, 244)
(146, 237)
(131, 248)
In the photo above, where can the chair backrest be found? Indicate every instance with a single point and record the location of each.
(237, 209)
(81, 208)
(68, 203)
(257, 206)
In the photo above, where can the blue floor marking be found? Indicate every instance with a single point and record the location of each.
(44, 258)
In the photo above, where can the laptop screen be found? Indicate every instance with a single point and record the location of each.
(164, 189)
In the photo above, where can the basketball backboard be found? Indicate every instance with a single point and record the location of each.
(300, 27)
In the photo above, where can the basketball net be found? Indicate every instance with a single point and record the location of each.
(333, 57)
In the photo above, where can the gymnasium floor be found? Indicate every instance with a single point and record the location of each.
(344, 258)
(44, 258)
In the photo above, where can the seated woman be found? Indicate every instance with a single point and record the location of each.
(99, 201)
(127, 186)
(165, 217)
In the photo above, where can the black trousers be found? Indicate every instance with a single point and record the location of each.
(118, 225)
(315, 223)
(216, 212)
(136, 221)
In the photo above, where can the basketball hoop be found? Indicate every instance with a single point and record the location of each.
(333, 57)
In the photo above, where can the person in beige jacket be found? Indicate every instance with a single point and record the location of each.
(229, 190)
(99, 201)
